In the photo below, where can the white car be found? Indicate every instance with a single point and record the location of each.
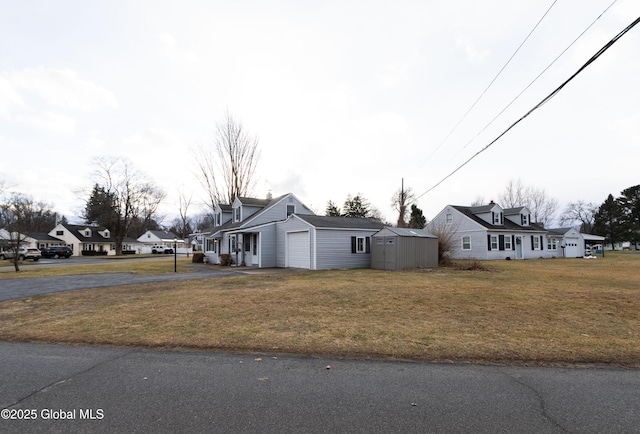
(23, 253)
(161, 249)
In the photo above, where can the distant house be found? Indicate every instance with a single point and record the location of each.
(283, 232)
(492, 232)
(85, 238)
(570, 243)
(161, 238)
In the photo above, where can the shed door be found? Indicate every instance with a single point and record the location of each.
(298, 250)
(390, 245)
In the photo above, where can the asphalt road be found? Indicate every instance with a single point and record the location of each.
(78, 389)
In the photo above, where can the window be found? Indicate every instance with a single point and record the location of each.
(291, 208)
(379, 241)
(208, 245)
(255, 244)
(106, 234)
(535, 243)
(360, 245)
(247, 242)
(87, 233)
(59, 232)
(524, 218)
(449, 218)
(507, 242)
(552, 243)
(494, 242)
(238, 214)
(466, 243)
(218, 219)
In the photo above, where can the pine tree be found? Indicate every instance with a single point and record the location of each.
(417, 220)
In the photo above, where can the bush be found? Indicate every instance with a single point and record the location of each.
(226, 259)
(128, 252)
(93, 253)
(198, 258)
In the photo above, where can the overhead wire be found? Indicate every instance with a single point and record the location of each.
(540, 104)
(538, 76)
(455, 127)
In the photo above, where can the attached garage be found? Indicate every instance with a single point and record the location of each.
(401, 249)
(298, 250)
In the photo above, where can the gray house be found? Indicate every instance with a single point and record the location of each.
(492, 232)
(323, 242)
(401, 249)
(283, 232)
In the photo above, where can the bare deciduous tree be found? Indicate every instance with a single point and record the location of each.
(133, 196)
(19, 215)
(542, 206)
(227, 169)
(580, 212)
(401, 200)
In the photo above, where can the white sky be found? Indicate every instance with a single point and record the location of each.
(346, 96)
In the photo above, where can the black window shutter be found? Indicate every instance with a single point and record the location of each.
(531, 242)
(501, 242)
(353, 244)
(541, 243)
(488, 242)
(513, 242)
(368, 241)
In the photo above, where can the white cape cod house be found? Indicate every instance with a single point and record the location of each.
(283, 232)
(491, 232)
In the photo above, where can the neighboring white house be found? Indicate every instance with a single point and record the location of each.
(162, 238)
(85, 238)
(491, 232)
(570, 243)
(283, 232)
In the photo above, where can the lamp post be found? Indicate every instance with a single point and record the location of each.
(175, 255)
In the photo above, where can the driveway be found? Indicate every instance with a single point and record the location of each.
(18, 288)
(79, 389)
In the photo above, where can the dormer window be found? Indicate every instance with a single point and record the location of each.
(106, 234)
(238, 214)
(525, 219)
(87, 233)
(218, 221)
(291, 208)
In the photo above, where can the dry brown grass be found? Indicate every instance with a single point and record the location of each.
(540, 311)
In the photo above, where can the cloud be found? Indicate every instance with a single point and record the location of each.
(474, 54)
(49, 121)
(169, 48)
(10, 99)
(62, 88)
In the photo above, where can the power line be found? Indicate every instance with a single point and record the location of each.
(538, 76)
(455, 127)
(541, 103)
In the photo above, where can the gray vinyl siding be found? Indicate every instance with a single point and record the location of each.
(334, 249)
(278, 212)
(268, 243)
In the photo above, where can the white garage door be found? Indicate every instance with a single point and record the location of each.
(571, 249)
(298, 251)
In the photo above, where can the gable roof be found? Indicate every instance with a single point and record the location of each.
(335, 222)
(166, 235)
(507, 224)
(78, 232)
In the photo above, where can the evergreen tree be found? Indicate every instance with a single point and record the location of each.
(417, 220)
(608, 221)
(332, 209)
(356, 206)
(629, 204)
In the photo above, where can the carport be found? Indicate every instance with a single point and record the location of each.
(402, 248)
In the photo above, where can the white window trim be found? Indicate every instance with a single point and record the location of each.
(494, 242)
(466, 236)
(507, 242)
(359, 248)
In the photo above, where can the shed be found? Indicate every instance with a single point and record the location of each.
(400, 249)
